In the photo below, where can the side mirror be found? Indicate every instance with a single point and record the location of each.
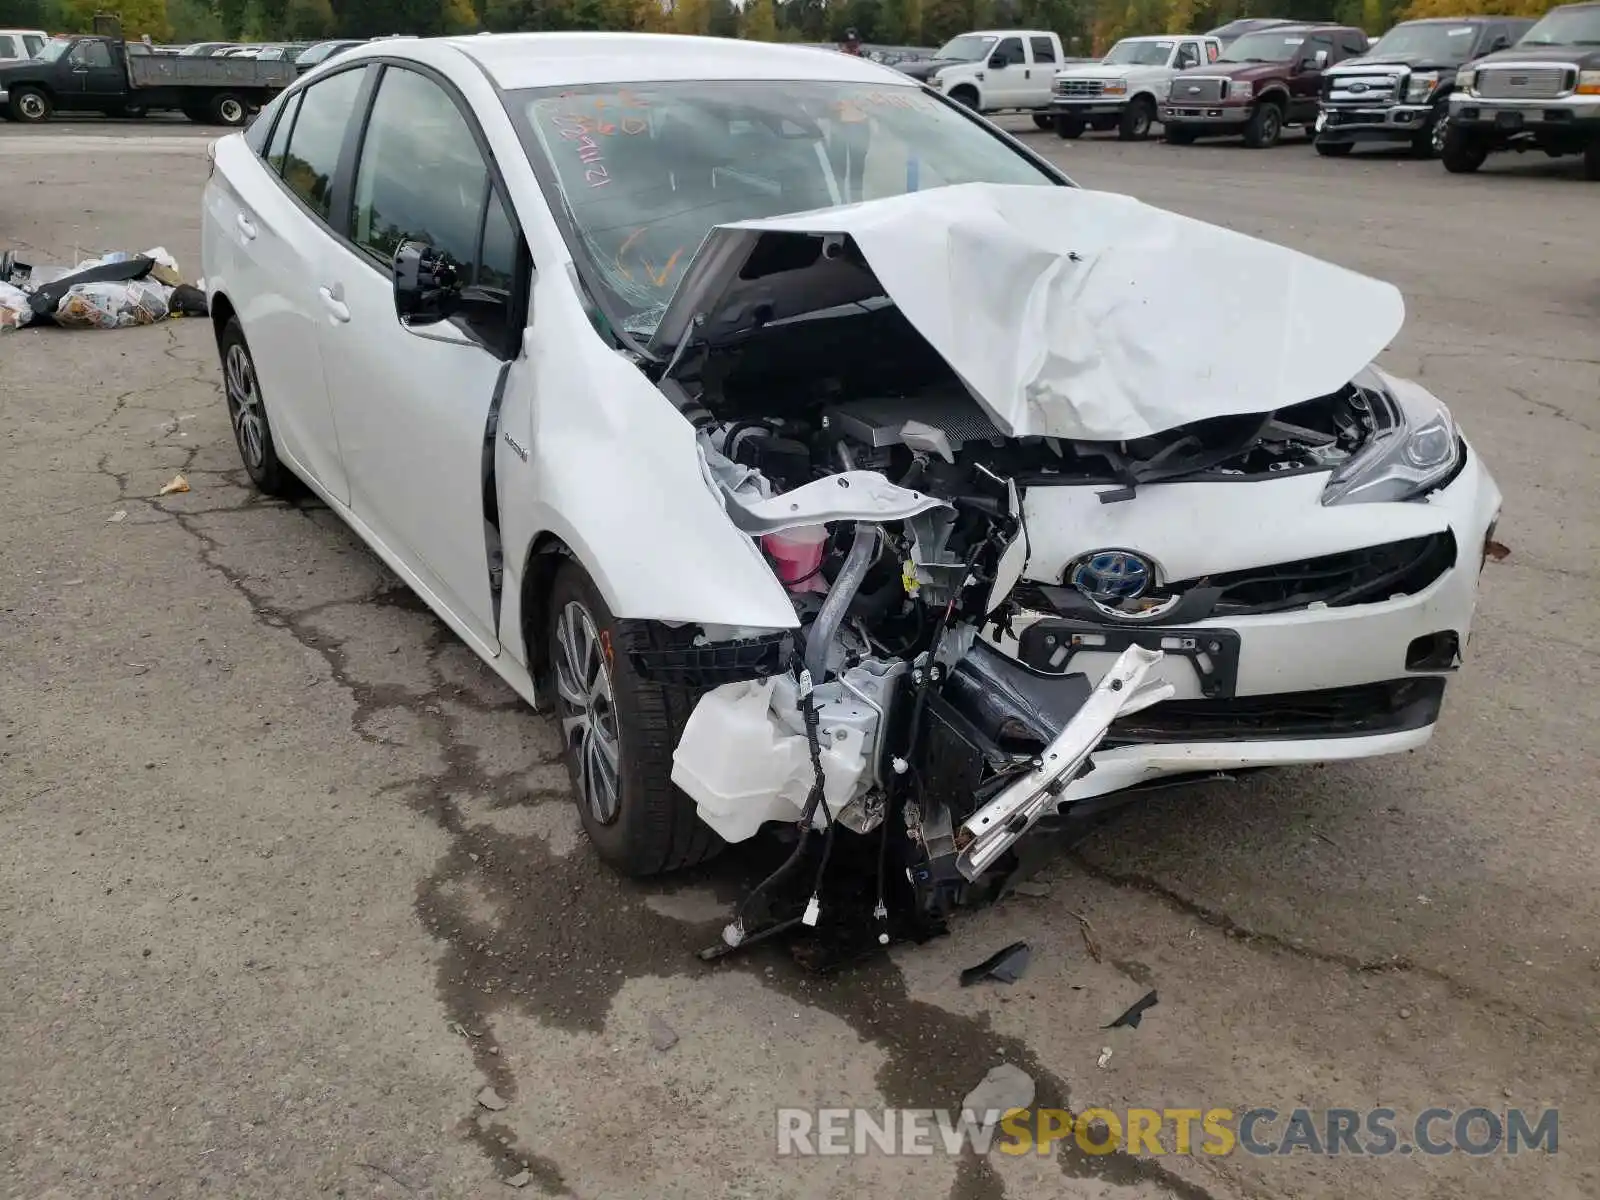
(998, 62)
(1500, 43)
(1314, 62)
(427, 287)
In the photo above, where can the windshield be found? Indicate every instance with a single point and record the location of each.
(1565, 27)
(644, 173)
(969, 47)
(1140, 54)
(54, 49)
(1263, 47)
(1435, 41)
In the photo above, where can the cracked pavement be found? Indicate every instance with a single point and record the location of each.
(289, 878)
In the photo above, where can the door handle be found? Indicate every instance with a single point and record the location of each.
(246, 229)
(333, 301)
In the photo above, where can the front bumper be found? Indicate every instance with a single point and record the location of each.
(1207, 114)
(1100, 106)
(1312, 685)
(1574, 117)
(1350, 123)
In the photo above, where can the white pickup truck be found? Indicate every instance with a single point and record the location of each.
(995, 70)
(1122, 90)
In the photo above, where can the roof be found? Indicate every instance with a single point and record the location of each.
(527, 60)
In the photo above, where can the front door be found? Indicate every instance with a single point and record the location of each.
(1305, 85)
(412, 401)
(1006, 86)
(102, 80)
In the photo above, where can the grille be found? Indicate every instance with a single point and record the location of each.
(1080, 88)
(1196, 91)
(1523, 83)
(1364, 709)
(1364, 89)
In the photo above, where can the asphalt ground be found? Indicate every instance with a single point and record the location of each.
(287, 877)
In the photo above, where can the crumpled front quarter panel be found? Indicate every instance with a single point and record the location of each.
(613, 471)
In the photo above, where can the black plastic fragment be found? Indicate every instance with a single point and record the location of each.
(188, 300)
(47, 297)
(1004, 966)
(1135, 1012)
(701, 667)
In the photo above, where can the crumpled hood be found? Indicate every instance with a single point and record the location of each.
(1071, 313)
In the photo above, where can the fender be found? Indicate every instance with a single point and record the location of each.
(1276, 92)
(592, 454)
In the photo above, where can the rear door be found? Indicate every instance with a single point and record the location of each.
(412, 401)
(1042, 69)
(279, 226)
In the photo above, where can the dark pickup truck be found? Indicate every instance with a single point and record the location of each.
(1399, 91)
(1263, 82)
(102, 73)
(1541, 94)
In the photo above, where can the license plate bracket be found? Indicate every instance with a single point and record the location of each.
(1051, 645)
(1507, 119)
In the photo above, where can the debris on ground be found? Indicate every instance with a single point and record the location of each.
(1031, 888)
(1002, 1090)
(662, 1035)
(112, 291)
(176, 484)
(1135, 1012)
(491, 1099)
(1105, 1056)
(1498, 551)
(1091, 944)
(1004, 966)
(521, 1179)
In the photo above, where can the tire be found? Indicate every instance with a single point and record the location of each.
(1464, 151)
(31, 105)
(247, 413)
(1591, 162)
(1069, 128)
(1265, 126)
(965, 96)
(638, 821)
(226, 108)
(1136, 120)
(1177, 135)
(1429, 141)
(1334, 149)
(1043, 121)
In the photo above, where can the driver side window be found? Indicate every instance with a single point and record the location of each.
(1011, 49)
(91, 54)
(1188, 56)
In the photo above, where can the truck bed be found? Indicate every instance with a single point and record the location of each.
(174, 70)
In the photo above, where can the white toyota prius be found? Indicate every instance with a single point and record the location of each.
(826, 457)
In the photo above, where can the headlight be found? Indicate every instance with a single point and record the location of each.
(1421, 87)
(1239, 89)
(1466, 80)
(1115, 87)
(1414, 448)
(1589, 83)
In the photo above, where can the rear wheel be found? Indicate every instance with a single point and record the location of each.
(1069, 127)
(1136, 120)
(30, 104)
(247, 413)
(1265, 126)
(1334, 149)
(1464, 151)
(225, 108)
(618, 732)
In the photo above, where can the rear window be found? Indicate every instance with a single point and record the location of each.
(8, 46)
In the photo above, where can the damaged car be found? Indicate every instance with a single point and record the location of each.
(824, 458)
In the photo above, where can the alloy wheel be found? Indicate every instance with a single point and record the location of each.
(1441, 127)
(244, 407)
(588, 712)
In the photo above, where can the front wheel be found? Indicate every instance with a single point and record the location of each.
(1334, 149)
(1591, 162)
(227, 109)
(618, 732)
(1429, 142)
(30, 105)
(247, 413)
(1178, 135)
(1464, 151)
(1043, 121)
(1068, 128)
(1134, 126)
(1265, 127)
(965, 96)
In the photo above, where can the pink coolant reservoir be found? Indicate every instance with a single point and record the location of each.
(797, 554)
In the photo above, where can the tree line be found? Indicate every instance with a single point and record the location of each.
(1085, 26)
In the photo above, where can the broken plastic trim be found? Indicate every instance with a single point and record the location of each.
(704, 667)
(992, 830)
